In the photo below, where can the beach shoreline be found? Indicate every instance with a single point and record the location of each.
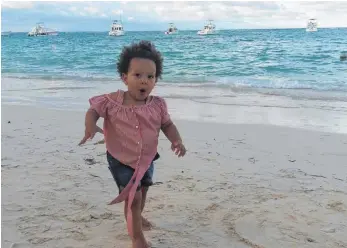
(295, 108)
(240, 185)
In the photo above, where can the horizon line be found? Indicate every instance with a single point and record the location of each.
(100, 31)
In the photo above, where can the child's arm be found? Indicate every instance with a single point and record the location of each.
(90, 125)
(172, 134)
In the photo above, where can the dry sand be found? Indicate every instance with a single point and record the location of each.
(238, 186)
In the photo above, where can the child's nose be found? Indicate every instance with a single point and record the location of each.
(144, 80)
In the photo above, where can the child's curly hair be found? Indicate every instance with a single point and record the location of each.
(143, 49)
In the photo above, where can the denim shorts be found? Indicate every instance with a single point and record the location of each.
(122, 173)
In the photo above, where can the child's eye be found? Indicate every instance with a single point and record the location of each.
(137, 75)
(150, 76)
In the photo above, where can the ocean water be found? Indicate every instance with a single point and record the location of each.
(282, 77)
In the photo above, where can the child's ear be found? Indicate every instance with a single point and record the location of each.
(125, 78)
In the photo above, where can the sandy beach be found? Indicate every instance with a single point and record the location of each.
(239, 186)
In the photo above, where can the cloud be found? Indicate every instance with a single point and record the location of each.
(188, 15)
(275, 14)
(117, 12)
(64, 13)
(92, 10)
(17, 5)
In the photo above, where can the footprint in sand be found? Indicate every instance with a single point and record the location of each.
(89, 217)
(20, 245)
(122, 236)
(337, 206)
(39, 240)
(78, 235)
(47, 195)
(212, 207)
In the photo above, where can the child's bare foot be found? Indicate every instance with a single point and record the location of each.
(146, 225)
(141, 243)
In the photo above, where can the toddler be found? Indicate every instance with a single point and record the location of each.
(132, 122)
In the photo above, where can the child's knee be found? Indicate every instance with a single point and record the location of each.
(144, 189)
(136, 204)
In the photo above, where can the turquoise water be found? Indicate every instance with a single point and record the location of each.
(288, 58)
(235, 67)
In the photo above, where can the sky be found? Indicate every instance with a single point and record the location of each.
(151, 15)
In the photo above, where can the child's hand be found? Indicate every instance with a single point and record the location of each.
(90, 132)
(178, 148)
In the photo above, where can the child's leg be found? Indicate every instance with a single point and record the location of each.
(139, 240)
(144, 196)
(122, 175)
(146, 225)
(146, 181)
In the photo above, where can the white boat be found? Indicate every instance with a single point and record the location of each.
(208, 29)
(172, 29)
(116, 28)
(41, 30)
(311, 25)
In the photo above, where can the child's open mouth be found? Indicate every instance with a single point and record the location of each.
(142, 91)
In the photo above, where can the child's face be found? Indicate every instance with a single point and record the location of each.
(140, 78)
